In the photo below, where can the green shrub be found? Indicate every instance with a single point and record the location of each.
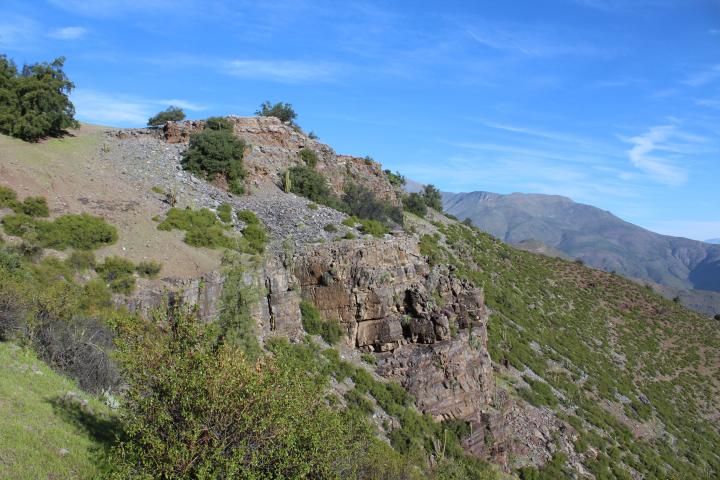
(350, 236)
(148, 269)
(118, 274)
(256, 238)
(248, 217)
(224, 212)
(307, 182)
(7, 194)
(330, 228)
(189, 397)
(34, 102)
(415, 203)
(220, 123)
(395, 179)
(373, 228)
(314, 324)
(313, 206)
(363, 203)
(202, 228)
(33, 206)
(433, 199)
(81, 260)
(216, 152)
(309, 157)
(283, 111)
(82, 232)
(368, 358)
(170, 114)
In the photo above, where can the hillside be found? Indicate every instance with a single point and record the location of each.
(48, 425)
(594, 236)
(539, 366)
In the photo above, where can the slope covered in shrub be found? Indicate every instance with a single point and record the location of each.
(615, 359)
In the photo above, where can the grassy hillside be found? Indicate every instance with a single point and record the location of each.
(48, 427)
(635, 374)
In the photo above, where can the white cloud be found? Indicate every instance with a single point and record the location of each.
(656, 140)
(121, 110)
(68, 33)
(290, 71)
(702, 77)
(714, 31)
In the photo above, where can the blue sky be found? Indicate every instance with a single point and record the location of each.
(614, 103)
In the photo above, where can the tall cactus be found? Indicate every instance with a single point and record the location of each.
(287, 182)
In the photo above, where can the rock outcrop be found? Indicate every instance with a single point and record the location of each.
(274, 146)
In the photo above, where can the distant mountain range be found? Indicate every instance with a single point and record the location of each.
(713, 240)
(597, 237)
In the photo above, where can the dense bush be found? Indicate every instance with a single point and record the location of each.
(32, 206)
(363, 203)
(283, 111)
(34, 103)
(81, 232)
(41, 306)
(395, 179)
(193, 410)
(81, 260)
(309, 157)
(216, 151)
(202, 228)
(314, 324)
(311, 184)
(148, 269)
(256, 238)
(224, 212)
(415, 203)
(118, 274)
(219, 123)
(433, 198)
(170, 114)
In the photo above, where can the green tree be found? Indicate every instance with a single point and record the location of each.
(34, 103)
(281, 110)
(415, 203)
(215, 152)
(170, 114)
(433, 199)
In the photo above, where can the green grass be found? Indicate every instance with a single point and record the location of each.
(36, 424)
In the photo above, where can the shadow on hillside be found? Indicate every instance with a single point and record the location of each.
(103, 429)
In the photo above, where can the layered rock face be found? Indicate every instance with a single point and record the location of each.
(428, 326)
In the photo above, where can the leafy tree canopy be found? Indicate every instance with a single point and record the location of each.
(281, 110)
(34, 102)
(170, 114)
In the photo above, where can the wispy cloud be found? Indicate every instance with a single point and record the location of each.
(17, 32)
(112, 8)
(288, 71)
(702, 77)
(643, 155)
(121, 110)
(68, 33)
(528, 41)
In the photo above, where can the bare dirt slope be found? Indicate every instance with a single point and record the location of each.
(74, 175)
